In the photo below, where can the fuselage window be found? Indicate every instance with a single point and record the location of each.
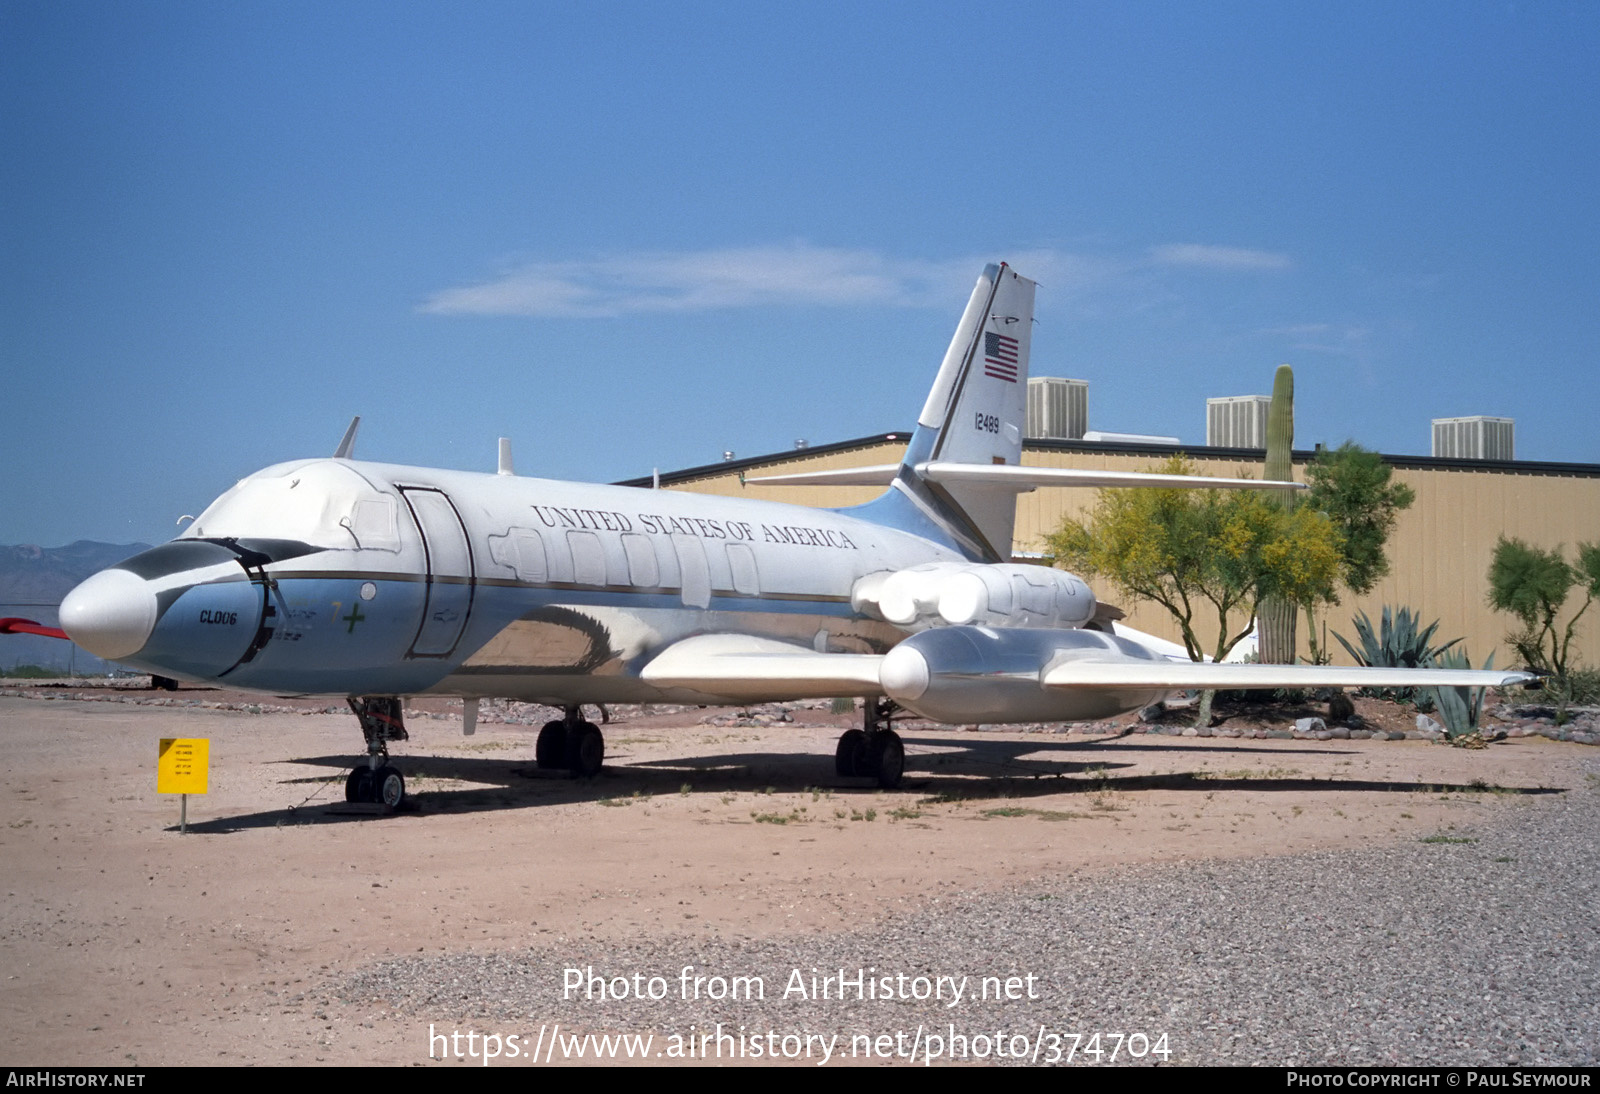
(695, 573)
(588, 558)
(742, 565)
(642, 567)
(529, 561)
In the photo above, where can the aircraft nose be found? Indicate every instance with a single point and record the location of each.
(111, 615)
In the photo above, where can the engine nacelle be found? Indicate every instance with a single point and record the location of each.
(959, 594)
(964, 675)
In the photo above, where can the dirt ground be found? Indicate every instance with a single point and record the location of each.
(124, 943)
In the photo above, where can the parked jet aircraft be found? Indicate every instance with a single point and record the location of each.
(375, 582)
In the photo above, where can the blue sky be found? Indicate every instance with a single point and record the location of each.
(635, 235)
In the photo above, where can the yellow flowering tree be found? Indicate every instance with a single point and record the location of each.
(1207, 556)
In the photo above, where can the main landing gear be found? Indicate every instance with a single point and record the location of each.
(572, 743)
(376, 780)
(875, 750)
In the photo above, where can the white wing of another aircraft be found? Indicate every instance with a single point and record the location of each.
(1018, 479)
(376, 581)
(1193, 675)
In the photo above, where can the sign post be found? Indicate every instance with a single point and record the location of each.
(181, 768)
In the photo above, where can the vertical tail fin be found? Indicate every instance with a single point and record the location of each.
(975, 415)
(961, 474)
(947, 486)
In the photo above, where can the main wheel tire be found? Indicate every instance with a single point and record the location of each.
(358, 785)
(888, 758)
(389, 787)
(586, 751)
(851, 755)
(551, 750)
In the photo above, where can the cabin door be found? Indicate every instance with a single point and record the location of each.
(449, 571)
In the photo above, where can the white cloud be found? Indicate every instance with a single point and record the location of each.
(1300, 329)
(1211, 257)
(706, 280)
(1341, 340)
(795, 275)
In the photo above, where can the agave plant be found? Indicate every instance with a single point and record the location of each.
(1399, 642)
(1461, 708)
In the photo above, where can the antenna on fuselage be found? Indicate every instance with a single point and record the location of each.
(348, 445)
(505, 456)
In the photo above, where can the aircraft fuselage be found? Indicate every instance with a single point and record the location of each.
(342, 577)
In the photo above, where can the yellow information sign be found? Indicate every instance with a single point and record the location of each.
(181, 768)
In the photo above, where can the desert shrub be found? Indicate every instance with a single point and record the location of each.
(1399, 642)
(1534, 585)
(1579, 687)
(1460, 709)
(1584, 686)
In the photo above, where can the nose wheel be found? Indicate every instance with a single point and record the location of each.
(358, 785)
(377, 781)
(389, 787)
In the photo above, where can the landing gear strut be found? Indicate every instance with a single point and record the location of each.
(875, 750)
(572, 743)
(382, 720)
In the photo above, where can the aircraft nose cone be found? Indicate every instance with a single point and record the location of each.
(111, 615)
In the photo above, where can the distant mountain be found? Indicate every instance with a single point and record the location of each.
(33, 581)
(30, 574)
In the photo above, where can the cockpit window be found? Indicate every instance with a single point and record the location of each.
(373, 521)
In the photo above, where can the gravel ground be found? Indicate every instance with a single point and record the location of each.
(1478, 948)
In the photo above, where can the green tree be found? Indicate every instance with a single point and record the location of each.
(1534, 584)
(1353, 486)
(1206, 556)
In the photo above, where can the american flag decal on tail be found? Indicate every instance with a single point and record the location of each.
(1000, 357)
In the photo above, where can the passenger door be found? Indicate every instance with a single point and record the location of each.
(449, 571)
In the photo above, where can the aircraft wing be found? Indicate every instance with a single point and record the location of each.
(1177, 675)
(748, 668)
(1012, 477)
(743, 668)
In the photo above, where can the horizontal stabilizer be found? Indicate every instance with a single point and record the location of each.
(1192, 674)
(1027, 478)
(1018, 479)
(747, 668)
(877, 475)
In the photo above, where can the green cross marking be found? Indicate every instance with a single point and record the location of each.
(353, 618)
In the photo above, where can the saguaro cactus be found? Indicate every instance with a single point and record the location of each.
(1275, 624)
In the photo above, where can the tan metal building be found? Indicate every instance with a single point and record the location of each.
(1439, 553)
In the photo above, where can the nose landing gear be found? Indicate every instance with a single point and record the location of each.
(377, 781)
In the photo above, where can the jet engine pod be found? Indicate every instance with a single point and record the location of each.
(906, 596)
(958, 594)
(961, 675)
(1012, 595)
